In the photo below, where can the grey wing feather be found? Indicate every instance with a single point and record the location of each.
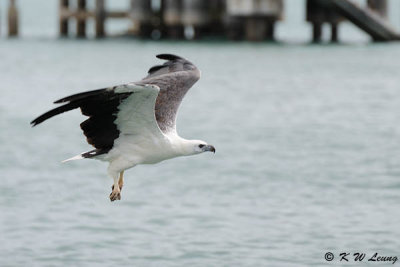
(175, 77)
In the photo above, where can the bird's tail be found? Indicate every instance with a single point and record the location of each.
(73, 158)
(89, 154)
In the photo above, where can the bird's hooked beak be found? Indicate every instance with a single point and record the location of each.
(209, 148)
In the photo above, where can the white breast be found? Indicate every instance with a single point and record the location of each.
(131, 150)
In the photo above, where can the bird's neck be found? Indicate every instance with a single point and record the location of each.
(181, 146)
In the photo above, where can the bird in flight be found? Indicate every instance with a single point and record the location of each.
(135, 123)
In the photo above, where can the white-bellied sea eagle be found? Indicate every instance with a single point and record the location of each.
(135, 123)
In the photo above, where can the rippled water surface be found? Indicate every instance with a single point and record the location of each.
(308, 157)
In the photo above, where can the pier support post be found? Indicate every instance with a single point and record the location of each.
(234, 28)
(334, 32)
(256, 29)
(319, 12)
(141, 15)
(173, 18)
(258, 16)
(217, 16)
(81, 19)
(12, 19)
(100, 17)
(197, 14)
(317, 32)
(63, 17)
(271, 31)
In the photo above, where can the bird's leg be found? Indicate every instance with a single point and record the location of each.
(121, 180)
(116, 191)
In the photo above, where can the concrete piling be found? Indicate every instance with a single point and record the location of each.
(334, 32)
(172, 19)
(141, 15)
(258, 16)
(81, 19)
(255, 29)
(317, 13)
(12, 19)
(100, 18)
(196, 15)
(63, 18)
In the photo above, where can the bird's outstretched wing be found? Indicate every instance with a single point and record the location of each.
(123, 109)
(174, 78)
(146, 107)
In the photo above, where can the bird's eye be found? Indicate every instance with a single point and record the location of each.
(201, 145)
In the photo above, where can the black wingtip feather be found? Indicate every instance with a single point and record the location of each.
(155, 68)
(54, 112)
(168, 56)
(95, 101)
(79, 96)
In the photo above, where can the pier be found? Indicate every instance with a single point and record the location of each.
(80, 13)
(370, 19)
(252, 20)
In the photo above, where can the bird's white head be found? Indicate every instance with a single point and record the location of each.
(193, 147)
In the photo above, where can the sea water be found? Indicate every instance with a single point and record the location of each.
(307, 162)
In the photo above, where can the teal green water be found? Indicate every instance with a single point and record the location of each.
(307, 160)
